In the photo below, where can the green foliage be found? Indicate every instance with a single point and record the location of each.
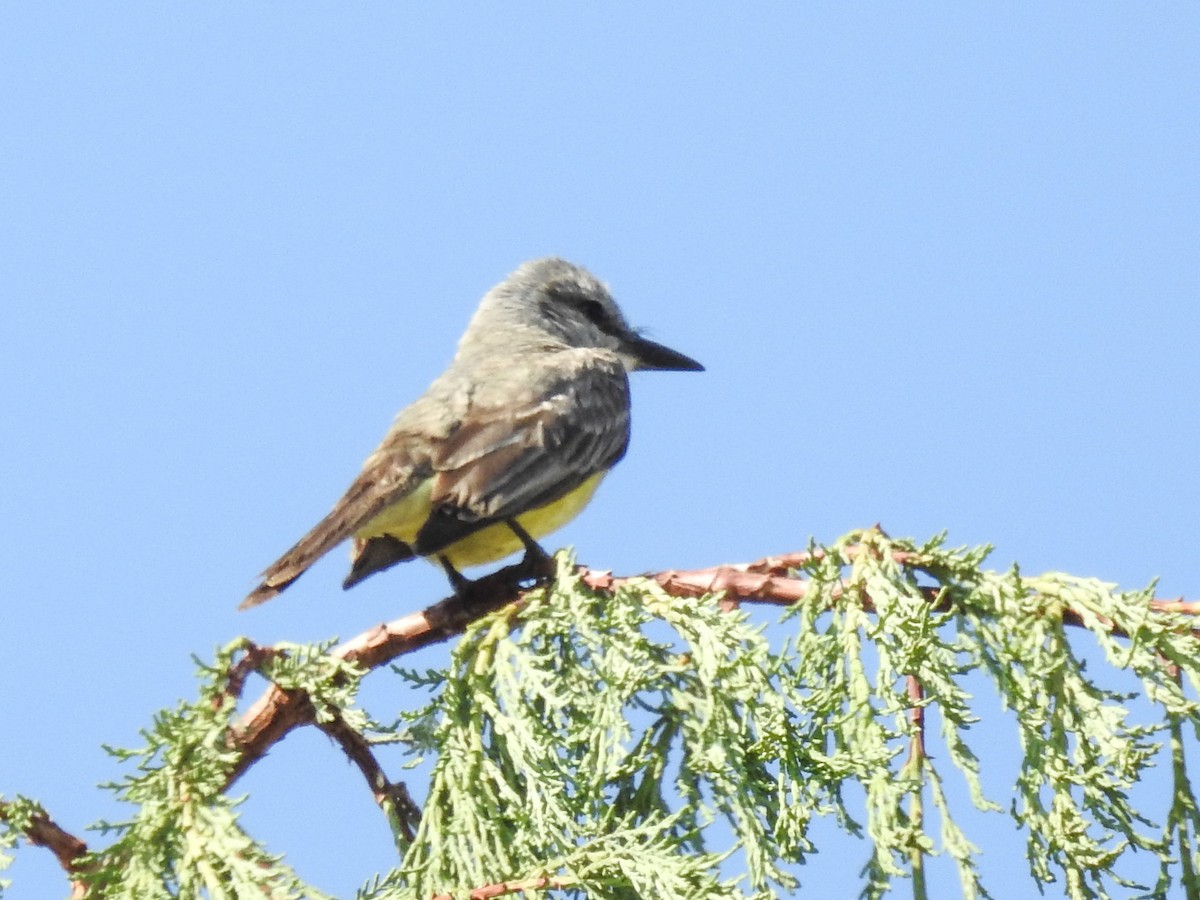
(557, 729)
(184, 839)
(635, 744)
(581, 709)
(17, 819)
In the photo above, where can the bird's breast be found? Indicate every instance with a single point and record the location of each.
(403, 519)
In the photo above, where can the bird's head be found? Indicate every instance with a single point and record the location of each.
(556, 303)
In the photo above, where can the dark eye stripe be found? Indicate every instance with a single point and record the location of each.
(595, 312)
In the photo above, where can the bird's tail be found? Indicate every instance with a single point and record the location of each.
(278, 576)
(340, 524)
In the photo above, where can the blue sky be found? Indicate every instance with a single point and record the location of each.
(940, 261)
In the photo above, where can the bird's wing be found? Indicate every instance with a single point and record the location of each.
(505, 458)
(508, 460)
(389, 474)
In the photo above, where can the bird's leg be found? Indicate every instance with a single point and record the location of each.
(460, 582)
(537, 561)
(537, 564)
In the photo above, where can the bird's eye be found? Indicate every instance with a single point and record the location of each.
(595, 312)
(573, 295)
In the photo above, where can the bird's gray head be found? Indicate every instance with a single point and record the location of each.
(550, 304)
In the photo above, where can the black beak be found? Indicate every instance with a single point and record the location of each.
(653, 356)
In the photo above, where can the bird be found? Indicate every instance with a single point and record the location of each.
(508, 444)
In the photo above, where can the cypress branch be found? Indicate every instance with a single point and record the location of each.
(633, 737)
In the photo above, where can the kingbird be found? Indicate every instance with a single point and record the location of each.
(507, 445)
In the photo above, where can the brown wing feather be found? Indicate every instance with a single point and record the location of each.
(492, 461)
(501, 465)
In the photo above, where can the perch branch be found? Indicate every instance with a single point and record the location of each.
(772, 580)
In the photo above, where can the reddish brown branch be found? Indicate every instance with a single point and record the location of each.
(278, 711)
(766, 581)
(403, 810)
(769, 580)
(67, 849)
(1179, 605)
(253, 658)
(358, 751)
(916, 696)
(487, 892)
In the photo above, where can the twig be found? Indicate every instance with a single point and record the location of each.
(916, 760)
(916, 715)
(253, 658)
(394, 799)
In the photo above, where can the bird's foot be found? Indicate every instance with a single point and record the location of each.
(537, 564)
(460, 582)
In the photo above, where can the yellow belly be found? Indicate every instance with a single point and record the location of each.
(404, 519)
